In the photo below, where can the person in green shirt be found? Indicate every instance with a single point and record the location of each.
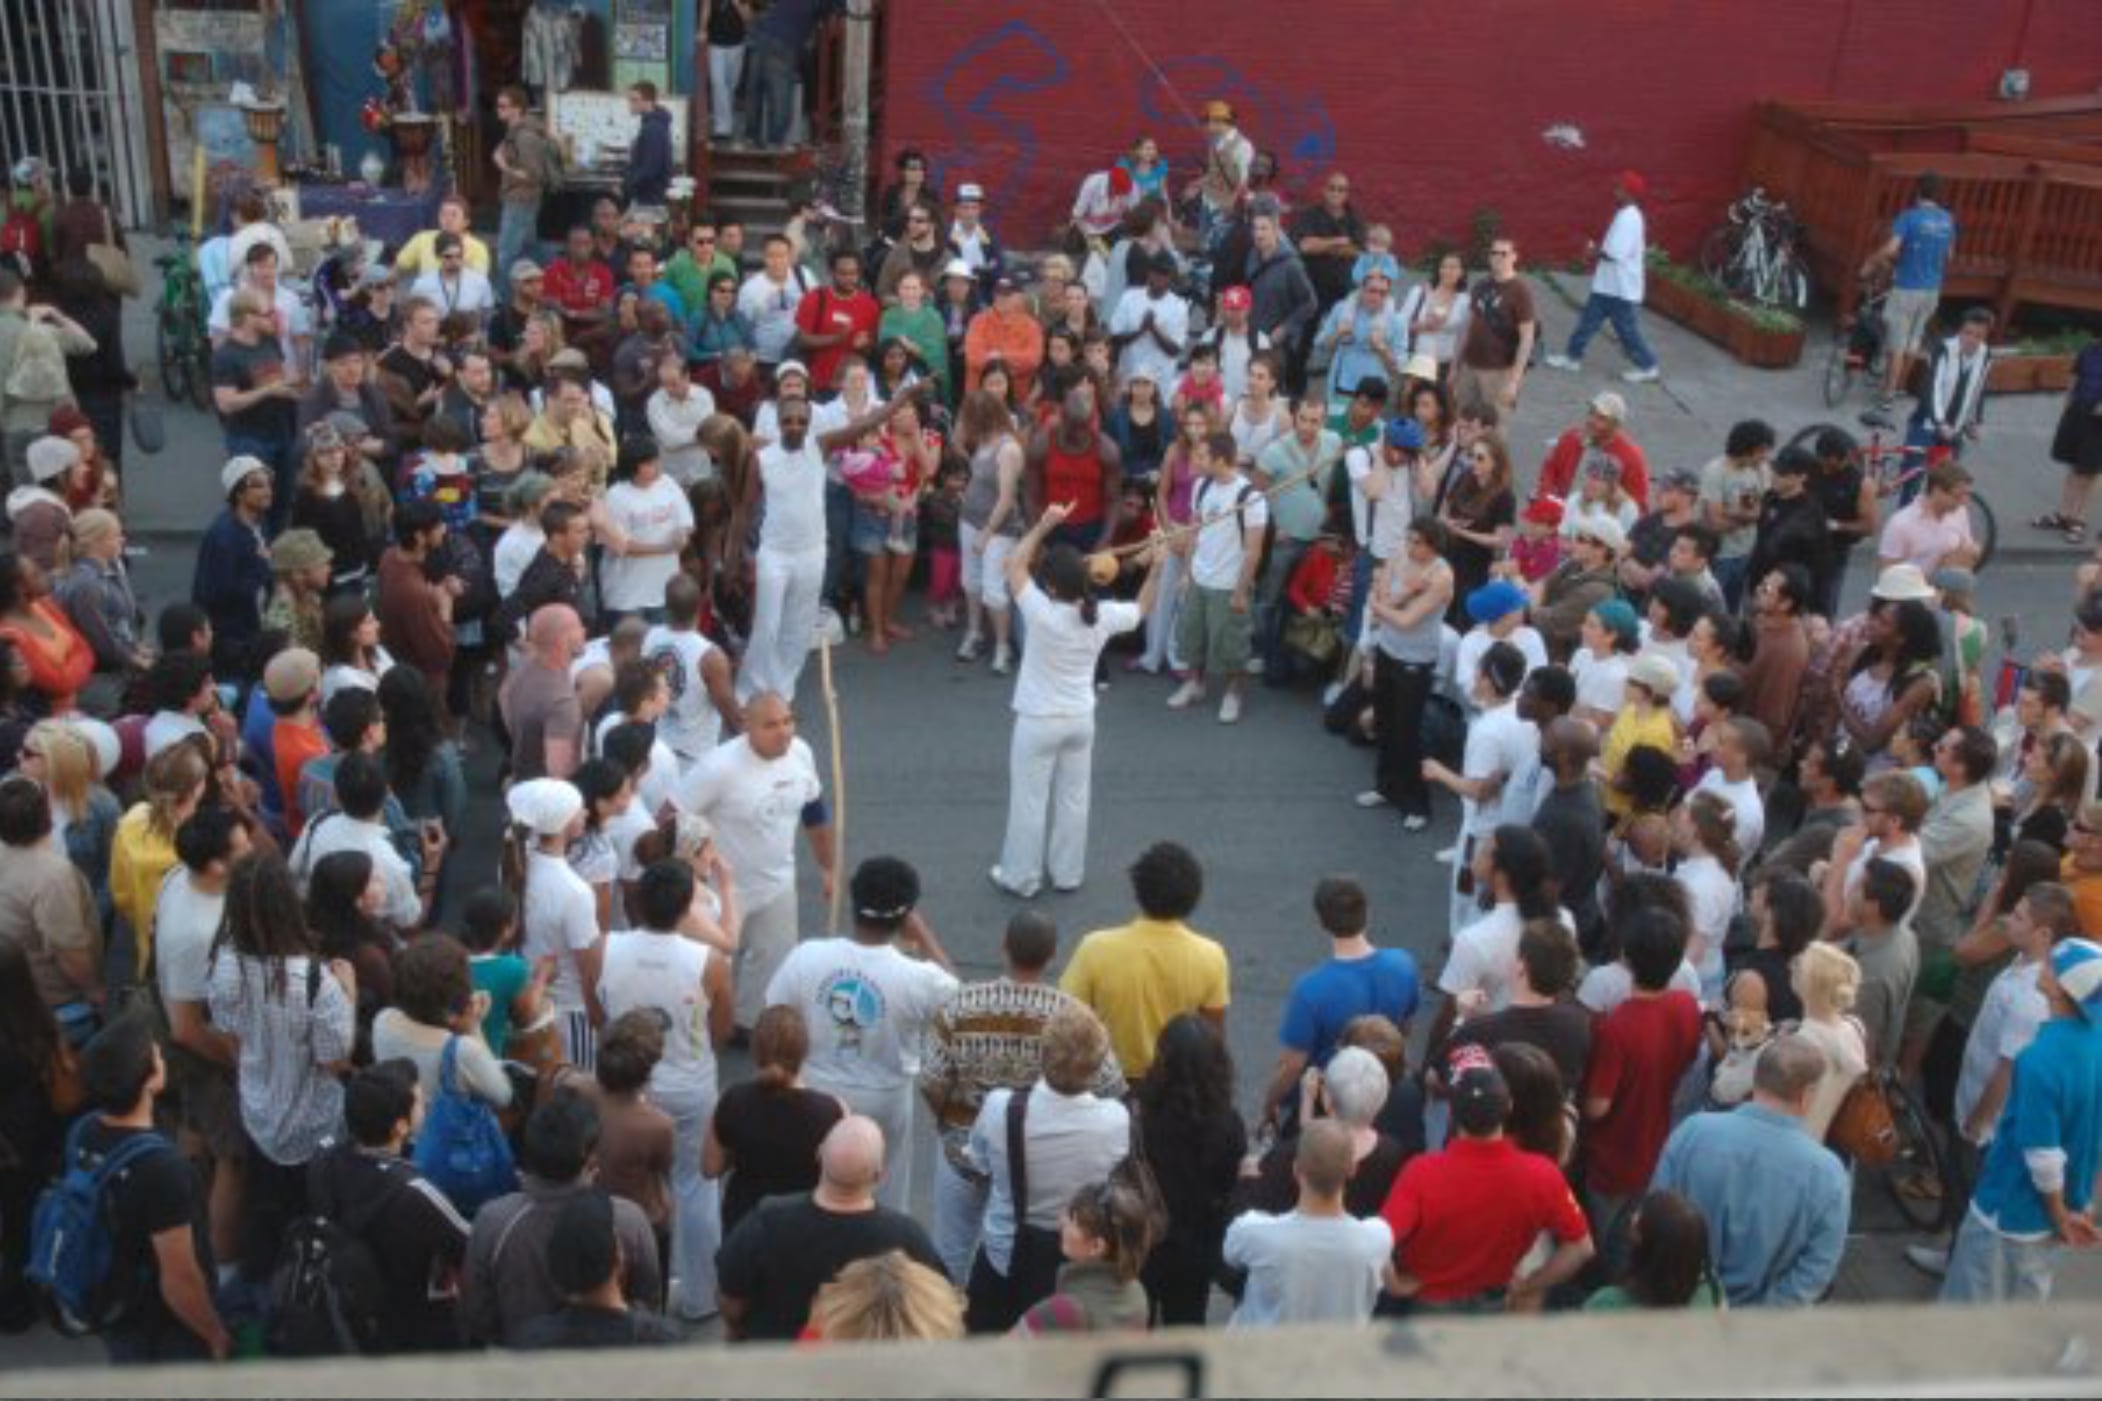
(1667, 1245)
(919, 326)
(691, 268)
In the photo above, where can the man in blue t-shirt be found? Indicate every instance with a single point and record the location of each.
(2036, 1190)
(1360, 979)
(1917, 255)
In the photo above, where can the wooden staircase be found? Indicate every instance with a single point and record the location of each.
(757, 186)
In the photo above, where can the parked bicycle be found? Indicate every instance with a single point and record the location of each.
(1857, 349)
(180, 326)
(1898, 469)
(1753, 253)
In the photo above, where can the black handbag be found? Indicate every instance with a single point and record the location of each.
(147, 428)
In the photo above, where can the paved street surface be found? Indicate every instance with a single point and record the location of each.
(1266, 805)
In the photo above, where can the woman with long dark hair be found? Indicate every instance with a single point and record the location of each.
(1667, 1259)
(1050, 763)
(1895, 678)
(294, 1016)
(423, 766)
(1191, 1136)
(29, 1127)
(1541, 1120)
(351, 653)
(343, 906)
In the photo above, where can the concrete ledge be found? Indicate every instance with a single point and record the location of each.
(1919, 1351)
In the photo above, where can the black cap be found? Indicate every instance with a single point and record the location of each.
(1481, 1101)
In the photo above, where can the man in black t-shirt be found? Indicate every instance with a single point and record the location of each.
(161, 1255)
(257, 395)
(777, 1259)
(1542, 1012)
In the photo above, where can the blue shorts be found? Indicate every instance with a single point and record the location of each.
(872, 534)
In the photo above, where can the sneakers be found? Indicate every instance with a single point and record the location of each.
(1641, 376)
(971, 648)
(1371, 798)
(1019, 890)
(1230, 709)
(1186, 695)
(1555, 361)
(1928, 1259)
(1415, 822)
(1331, 693)
(1255, 666)
(1003, 660)
(1447, 856)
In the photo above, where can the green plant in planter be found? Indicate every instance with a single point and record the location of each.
(1771, 319)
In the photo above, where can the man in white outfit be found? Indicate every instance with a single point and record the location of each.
(756, 790)
(1050, 764)
(697, 672)
(1617, 286)
(868, 999)
(791, 560)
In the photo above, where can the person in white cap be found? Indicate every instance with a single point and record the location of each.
(232, 577)
(1587, 578)
(756, 790)
(38, 513)
(558, 914)
(1602, 431)
(769, 298)
(2036, 1192)
(972, 241)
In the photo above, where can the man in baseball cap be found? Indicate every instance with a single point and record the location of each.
(233, 566)
(1601, 433)
(1616, 286)
(2035, 1192)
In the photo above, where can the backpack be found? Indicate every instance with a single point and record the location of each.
(462, 1150)
(71, 1234)
(327, 1294)
(554, 165)
(22, 241)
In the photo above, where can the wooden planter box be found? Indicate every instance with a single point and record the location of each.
(1724, 324)
(2029, 374)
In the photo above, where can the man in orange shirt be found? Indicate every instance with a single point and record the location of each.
(292, 683)
(1007, 332)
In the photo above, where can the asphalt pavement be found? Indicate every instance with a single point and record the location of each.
(1266, 804)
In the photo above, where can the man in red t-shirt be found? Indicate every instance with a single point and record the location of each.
(1638, 1053)
(1600, 435)
(1465, 1217)
(837, 321)
(579, 285)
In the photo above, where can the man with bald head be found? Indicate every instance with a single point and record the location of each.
(788, 1248)
(756, 790)
(1572, 821)
(539, 701)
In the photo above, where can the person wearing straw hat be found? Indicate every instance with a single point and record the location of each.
(38, 514)
(301, 562)
(1229, 157)
(2036, 1191)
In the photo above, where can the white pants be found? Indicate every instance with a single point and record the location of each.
(959, 1215)
(984, 575)
(768, 935)
(892, 1111)
(696, 1220)
(1049, 766)
(784, 620)
(725, 66)
(1163, 648)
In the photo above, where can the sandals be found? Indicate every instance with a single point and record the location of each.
(2075, 532)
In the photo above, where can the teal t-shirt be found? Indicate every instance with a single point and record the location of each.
(503, 976)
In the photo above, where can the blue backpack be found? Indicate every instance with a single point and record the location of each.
(462, 1149)
(71, 1234)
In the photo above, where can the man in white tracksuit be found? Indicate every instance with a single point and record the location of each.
(1051, 761)
(755, 791)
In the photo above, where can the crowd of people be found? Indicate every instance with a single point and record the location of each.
(1730, 861)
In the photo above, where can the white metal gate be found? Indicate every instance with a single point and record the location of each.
(70, 92)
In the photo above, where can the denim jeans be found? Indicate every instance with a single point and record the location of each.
(517, 236)
(1627, 324)
(725, 65)
(282, 457)
(1285, 554)
(770, 89)
(1986, 1267)
(1729, 571)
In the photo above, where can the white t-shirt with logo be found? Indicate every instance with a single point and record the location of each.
(692, 726)
(1215, 561)
(755, 805)
(867, 1006)
(655, 515)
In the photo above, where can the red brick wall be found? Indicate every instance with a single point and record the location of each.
(1437, 108)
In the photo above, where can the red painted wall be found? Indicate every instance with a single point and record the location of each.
(1437, 108)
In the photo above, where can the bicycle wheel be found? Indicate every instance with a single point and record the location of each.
(1792, 284)
(1918, 1162)
(1985, 529)
(1719, 250)
(172, 355)
(1839, 372)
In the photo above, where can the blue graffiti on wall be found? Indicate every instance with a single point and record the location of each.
(982, 95)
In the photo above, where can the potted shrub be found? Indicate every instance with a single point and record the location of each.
(1766, 337)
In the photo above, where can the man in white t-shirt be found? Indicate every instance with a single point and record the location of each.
(756, 791)
(645, 525)
(1216, 630)
(359, 824)
(1501, 745)
(1317, 1263)
(1893, 806)
(259, 271)
(1741, 745)
(703, 694)
(1617, 286)
(1485, 953)
(1104, 199)
(185, 923)
(1150, 326)
(769, 298)
(676, 412)
(868, 1002)
(1498, 611)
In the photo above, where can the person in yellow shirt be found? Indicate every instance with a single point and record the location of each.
(420, 254)
(1645, 720)
(1140, 976)
(143, 850)
(569, 422)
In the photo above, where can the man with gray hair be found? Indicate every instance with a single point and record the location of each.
(1776, 1201)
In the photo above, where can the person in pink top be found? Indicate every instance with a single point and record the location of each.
(1171, 507)
(1934, 532)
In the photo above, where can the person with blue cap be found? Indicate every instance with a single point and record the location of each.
(1381, 477)
(2036, 1191)
(1497, 610)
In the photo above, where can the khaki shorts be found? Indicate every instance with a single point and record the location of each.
(1907, 316)
(1214, 638)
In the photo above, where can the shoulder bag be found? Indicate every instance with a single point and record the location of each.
(1863, 1128)
(115, 265)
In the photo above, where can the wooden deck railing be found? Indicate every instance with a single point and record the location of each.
(2024, 184)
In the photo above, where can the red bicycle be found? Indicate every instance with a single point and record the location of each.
(1897, 469)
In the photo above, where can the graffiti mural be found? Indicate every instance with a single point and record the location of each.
(983, 95)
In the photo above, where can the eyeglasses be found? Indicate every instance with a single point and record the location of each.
(1503, 252)
(704, 238)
